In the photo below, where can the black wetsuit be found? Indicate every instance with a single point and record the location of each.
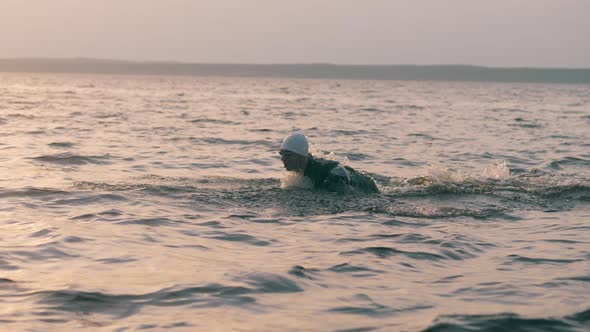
(332, 176)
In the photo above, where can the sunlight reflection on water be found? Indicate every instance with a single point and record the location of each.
(139, 202)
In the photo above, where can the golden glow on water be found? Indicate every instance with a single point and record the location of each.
(161, 202)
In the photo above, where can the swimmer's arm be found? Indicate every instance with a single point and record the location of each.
(338, 180)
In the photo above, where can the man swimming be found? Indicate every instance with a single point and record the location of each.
(325, 174)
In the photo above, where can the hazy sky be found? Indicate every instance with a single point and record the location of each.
(542, 33)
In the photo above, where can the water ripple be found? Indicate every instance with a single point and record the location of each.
(74, 159)
(237, 237)
(385, 252)
(531, 260)
(510, 322)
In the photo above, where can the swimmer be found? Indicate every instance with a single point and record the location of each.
(325, 174)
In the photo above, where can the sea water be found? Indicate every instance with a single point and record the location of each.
(160, 203)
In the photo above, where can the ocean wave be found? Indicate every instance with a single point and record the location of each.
(107, 115)
(371, 110)
(410, 107)
(160, 221)
(567, 161)
(444, 249)
(508, 110)
(211, 295)
(523, 123)
(61, 144)
(107, 215)
(364, 305)
(270, 283)
(214, 121)
(82, 199)
(238, 142)
(541, 260)
(385, 252)
(73, 159)
(577, 322)
(354, 269)
(238, 237)
(32, 192)
(21, 116)
(48, 252)
(261, 130)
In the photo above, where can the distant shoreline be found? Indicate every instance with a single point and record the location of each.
(301, 71)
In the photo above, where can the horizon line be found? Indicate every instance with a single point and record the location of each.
(182, 62)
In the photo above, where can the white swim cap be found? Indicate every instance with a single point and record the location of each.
(297, 143)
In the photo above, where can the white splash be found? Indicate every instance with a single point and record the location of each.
(440, 173)
(295, 180)
(316, 152)
(497, 170)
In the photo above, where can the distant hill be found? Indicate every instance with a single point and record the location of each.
(317, 71)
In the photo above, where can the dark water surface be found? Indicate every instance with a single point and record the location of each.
(159, 203)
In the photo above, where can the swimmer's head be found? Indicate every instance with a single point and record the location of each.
(297, 143)
(294, 152)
